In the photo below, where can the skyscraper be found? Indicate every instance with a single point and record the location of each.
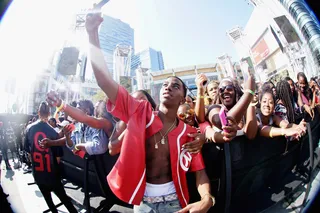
(113, 32)
(149, 58)
(308, 25)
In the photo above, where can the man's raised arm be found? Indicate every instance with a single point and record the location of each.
(99, 66)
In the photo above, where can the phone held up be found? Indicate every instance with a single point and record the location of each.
(223, 117)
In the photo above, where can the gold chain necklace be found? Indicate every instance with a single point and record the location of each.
(163, 137)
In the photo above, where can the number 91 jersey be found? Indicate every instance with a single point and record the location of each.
(44, 163)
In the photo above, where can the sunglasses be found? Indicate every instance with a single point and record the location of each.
(229, 88)
(186, 115)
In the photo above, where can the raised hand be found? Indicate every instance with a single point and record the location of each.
(200, 80)
(93, 21)
(53, 99)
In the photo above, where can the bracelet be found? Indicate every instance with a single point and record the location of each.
(211, 197)
(270, 133)
(201, 96)
(282, 132)
(250, 91)
(62, 106)
(75, 147)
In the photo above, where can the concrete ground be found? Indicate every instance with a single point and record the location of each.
(26, 198)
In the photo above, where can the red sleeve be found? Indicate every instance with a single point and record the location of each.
(203, 126)
(197, 162)
(125, 105)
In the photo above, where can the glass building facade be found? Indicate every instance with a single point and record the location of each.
(113, 32)
(149, 58)
(308, 24)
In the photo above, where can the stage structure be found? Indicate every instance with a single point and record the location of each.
(122, 65)
(71, 67)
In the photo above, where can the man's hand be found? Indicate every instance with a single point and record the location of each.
(230, 131)
(53, 99)
(45, 143)
(198, 207)
(196, 145)
(93, 21)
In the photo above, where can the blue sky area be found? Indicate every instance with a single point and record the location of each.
(187, 32)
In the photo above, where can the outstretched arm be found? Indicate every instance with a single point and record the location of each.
(99, 66)
(251, 125)
(241, 106)
(200, 108)
(79, 115)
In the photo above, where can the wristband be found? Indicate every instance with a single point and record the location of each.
(75, 147)
(270, 133)
(282, 132)
(200, 96)
(250, 91)
(62, 106)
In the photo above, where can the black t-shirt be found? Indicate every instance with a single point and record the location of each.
(44, 163)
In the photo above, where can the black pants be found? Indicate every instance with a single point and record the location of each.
(61, 194)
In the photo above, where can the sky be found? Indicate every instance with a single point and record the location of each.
(188, 32)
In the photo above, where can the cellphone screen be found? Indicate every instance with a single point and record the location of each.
(223, 117)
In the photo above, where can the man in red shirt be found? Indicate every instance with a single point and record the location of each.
(152, 166)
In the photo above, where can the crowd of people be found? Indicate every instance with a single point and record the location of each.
(158, 144)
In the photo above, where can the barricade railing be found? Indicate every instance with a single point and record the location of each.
(242, 173)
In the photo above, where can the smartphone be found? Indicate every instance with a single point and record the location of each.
(100, 4)
(223, 117)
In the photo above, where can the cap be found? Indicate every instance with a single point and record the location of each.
(63, 123)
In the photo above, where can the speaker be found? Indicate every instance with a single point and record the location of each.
(68, 61)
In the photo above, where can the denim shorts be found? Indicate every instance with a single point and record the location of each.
(162, 207)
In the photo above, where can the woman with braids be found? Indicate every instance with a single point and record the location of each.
(272, 125)
(285, 102)
(241, 116)
(305, 97)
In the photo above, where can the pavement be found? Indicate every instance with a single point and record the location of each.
(26, 198)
